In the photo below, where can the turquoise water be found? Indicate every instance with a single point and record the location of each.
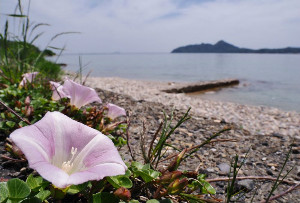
(266, 79)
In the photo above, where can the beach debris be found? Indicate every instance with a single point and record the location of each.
(202, 86)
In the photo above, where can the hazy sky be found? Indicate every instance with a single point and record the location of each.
(162, 25)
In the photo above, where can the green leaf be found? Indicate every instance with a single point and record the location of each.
(191, 198)
(34, 182)
(137, 165)
(43, 195)
(207, 188)
(201, 176)
(105, 197)
(154, 174)
(146, 166)
(134, 201)
(32, 200)
(152, 201)
(3, 192)
(120, 181)
(77, 188)
(10, 124)
(17, 189)
(22, 124)
(147, 175)
(128, 173)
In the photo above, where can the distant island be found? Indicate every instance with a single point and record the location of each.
(224, 47)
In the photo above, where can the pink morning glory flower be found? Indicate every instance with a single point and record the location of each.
(79, 95)
(28, 77)
(115, 111)
(58, 92)
(66, 152)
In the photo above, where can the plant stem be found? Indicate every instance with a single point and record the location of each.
(15, 113)
(248, 177)
(284, 193)
(127, 137)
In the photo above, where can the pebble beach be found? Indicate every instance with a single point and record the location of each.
(256, 119)
(261, 135)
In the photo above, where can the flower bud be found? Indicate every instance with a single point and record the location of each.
(123, 194)
(14, 150)
(27, 101)
(18, 104)
(191, 174)
(177, 186)
(176, 162)
(28, 111)
(170, 176)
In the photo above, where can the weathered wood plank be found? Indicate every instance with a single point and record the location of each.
(202, 86)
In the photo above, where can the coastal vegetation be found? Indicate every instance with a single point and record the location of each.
(64, 143)
(224, 47)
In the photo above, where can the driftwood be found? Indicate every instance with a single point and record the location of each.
(202, 86)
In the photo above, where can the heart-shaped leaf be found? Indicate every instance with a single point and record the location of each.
(120, 181)
(17, 189)
(3, 192)
(105, 197)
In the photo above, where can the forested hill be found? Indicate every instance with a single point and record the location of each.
(224, 47)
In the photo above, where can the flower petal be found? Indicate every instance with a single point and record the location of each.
(97, 160)
(28, 77)
(66, 133)
(58, 91)
(97, 173)
(80, 95)
(47, 145)
(115, 111)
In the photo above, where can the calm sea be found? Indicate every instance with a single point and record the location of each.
(266, 79)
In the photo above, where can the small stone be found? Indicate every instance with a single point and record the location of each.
(210, 170)
(217, 121)
(223, 121)
(295, 151)
(142, 198)
(213, 149)
(298, 170)
(276, 135)
(224, 168)
(264, 158)
(15, 174)
(223, 155)
(269, 172)
(273, 168)
(23, 169)
(246, 185)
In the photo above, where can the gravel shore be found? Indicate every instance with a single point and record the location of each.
(256, 119)
(264, 133)
(266, 154)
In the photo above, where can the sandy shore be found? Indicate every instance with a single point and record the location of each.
(256, 119)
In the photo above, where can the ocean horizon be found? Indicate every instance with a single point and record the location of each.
(266, 79)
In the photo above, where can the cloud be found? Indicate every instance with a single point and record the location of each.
(161, 25)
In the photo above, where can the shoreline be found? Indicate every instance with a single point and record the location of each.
(256, 119)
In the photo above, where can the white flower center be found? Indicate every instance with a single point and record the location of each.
(68, 165)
